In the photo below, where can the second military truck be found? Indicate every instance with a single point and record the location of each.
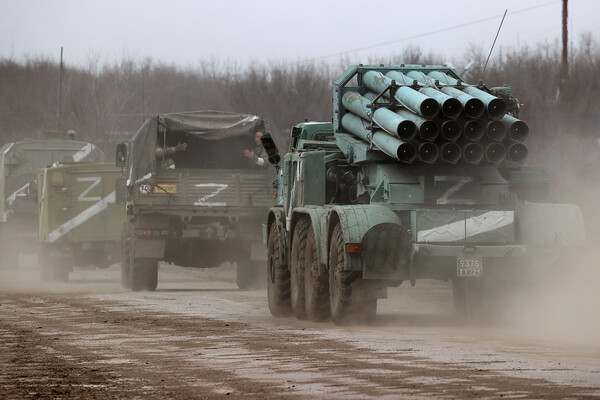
(80, 217)
(193, 198)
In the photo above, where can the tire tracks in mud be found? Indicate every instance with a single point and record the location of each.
(77, 346)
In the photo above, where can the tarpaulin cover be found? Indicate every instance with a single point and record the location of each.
(207, 125)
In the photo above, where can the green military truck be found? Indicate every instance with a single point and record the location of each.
(420, 175)
(19, 162)
(80, 217)
(193, 198)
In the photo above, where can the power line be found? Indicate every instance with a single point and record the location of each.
(427, 33)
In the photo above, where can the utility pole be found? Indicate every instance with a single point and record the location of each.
(60, 70)
(564, 71)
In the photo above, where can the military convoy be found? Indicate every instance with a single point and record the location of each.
(80, 217)
(419, 175)
(192, 198)
(19, 162)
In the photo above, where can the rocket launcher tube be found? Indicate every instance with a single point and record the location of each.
(386, 119)
(472, 129)
(495, 152)
(495, 130)
(517, 129)
(408, 97)
(494, 106)
(428, 152)
(427, 129)
(473, 107)
(472, 153)
(517, 151)
(449, 129)
(450, 152)
(393, 147)
(450, 106)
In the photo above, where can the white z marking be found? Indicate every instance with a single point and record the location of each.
(476, 225)
(79, 219)
(84, 152)
(95, 182)
(460, 182)
(219, 187)
(21, 192)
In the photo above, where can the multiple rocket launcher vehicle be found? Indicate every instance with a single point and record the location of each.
(418, 176)
(433, 117)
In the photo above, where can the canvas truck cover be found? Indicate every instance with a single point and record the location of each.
(204, 125)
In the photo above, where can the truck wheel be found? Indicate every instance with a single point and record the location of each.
(340, 281)
(144, 274)
(278, 277)
(9, 258)
(297, 267)
(53, 269)
(244, 275)
(316, 283)
(125, 259)
(251, 275)
(45, 271)
(9, 255)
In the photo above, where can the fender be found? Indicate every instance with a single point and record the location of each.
(383, 249)
(319, 217)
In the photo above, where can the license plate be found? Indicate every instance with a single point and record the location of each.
(469, 266)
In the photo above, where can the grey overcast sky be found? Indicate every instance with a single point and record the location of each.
(184, 32)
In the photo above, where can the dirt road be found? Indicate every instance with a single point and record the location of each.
(198, 336)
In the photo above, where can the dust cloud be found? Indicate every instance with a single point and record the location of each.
(565, 304)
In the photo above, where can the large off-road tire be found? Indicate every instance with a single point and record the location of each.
(340, 281)
(53, 269)
(9, 258)
(251, 274)
(243, 276)
(44, 266)
(9, 255)
(297, 266)
(278, 276)
(60, 273)
(125, 259)
(316, 283)
(144, 274)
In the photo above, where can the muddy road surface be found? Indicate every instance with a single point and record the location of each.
(198, 336)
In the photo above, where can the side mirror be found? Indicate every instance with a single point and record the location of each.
(121, 159)
(269, 145)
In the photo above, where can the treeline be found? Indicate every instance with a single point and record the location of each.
(107, 102)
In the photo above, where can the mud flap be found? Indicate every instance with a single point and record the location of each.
(149, 248)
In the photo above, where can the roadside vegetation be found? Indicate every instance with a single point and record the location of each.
(106, 102)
